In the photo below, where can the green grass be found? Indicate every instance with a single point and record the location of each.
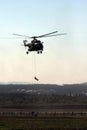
(26, 124)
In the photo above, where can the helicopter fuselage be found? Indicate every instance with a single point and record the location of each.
(34, 46)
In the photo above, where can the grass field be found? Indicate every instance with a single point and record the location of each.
(43, 112)
(43, 124)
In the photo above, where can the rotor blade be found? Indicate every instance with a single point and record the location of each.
(21, 35)
(55, 35)
(46, 34)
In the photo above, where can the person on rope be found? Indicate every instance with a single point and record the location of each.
(36, 78)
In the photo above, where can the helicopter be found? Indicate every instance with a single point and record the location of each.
(35, 44)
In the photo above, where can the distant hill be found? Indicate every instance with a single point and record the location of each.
(66, 89)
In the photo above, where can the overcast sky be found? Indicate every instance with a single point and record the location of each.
(64, 59)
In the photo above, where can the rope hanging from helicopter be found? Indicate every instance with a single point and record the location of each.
(35, 67)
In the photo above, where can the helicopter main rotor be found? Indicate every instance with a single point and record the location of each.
(42, 36)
